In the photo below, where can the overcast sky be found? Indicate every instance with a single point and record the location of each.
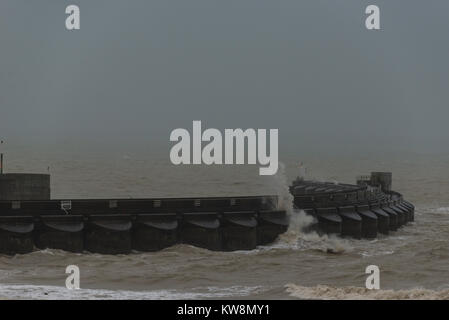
(138, 69)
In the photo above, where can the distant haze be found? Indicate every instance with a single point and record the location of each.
(138, 69)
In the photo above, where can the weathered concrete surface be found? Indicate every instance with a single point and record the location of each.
(24, 186)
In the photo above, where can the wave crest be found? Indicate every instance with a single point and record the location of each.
(323, 292)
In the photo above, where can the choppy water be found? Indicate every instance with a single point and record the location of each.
(414, 261)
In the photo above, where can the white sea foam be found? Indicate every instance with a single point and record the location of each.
(28, 292)
(295, 237)
(323, 292)
(443, 210)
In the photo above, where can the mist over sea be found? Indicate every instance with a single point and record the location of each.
(414, 261)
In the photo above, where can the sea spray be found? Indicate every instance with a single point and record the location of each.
(299, 221)
(298, 218)
(285, 198)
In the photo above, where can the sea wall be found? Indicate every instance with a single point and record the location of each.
(21, 186)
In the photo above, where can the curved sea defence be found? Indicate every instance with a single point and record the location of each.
(357, 211)
(119, 226)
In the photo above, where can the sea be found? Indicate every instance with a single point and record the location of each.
(413, 261)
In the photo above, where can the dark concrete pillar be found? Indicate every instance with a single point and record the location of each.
(21, 186)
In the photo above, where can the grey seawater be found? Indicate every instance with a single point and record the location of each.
(414, 261)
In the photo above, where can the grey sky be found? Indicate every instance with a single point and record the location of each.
(138, 69)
